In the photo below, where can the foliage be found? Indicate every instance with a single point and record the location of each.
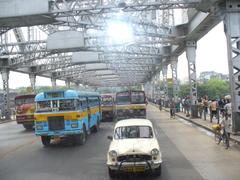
(28, 90)
(184, 90)
(214, 89)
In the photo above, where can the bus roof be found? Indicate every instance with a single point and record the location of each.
(25, 96)
(61, 94)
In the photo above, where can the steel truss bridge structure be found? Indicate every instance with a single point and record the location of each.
(69, 40)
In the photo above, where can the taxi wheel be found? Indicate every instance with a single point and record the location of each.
(46, 140)
(158, 171)
(111, 173)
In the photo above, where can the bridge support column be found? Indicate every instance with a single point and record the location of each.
(32, 78)
(54, 81)
(174, 61)
(232, 32)
(191, 57)
(77, 85)
(6, 106)
(152, 89)
(67, 82)
(165, 84)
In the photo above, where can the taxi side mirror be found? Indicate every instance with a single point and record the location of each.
(110, 138)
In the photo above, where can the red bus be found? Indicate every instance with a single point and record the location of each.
(25, 108)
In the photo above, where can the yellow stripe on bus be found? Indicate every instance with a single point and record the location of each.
(107, 108)
(67, 115)
(128, 107)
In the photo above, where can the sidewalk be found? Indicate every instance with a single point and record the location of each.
(6, 121)
(202, 123)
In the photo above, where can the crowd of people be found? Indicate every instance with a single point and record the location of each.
(214, 108)
(220, 109)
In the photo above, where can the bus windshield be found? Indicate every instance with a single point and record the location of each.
(123, 98)
(22, 101)
(107, 100)
(56, 105)
(137, 97)
(67, 104)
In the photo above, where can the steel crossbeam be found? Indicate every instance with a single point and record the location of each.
(78, 7)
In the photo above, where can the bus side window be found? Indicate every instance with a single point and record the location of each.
(83, 103)
(78, 104)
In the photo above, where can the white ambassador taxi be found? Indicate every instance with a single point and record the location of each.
(134, 148)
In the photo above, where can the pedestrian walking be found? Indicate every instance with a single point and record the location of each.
(205, 107)
(172, 108)
(160, 104)
(200, 107)
(187, 103)
(213, 110)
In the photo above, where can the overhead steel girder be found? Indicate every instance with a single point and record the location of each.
(53, 63)
(52, 12)
(17, 13)
(40, 47)
(3, 30)
(88, 14)
(81, 71)
(100, 7)
(200, 23)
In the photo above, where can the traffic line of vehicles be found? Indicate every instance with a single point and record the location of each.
(73, 114)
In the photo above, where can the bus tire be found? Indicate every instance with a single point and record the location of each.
(28, 126)
(46, 140)
(82, 138)
(97, 126)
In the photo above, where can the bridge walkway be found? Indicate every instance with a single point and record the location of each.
(205, 124)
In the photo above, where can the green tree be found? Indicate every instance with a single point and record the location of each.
(214, 88)
(184, 90)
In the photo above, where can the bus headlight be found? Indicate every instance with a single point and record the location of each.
(74, 125)
(39, 127)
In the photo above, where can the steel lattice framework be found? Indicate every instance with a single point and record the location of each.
(132, 63)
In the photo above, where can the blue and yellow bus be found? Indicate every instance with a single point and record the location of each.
(67, 113)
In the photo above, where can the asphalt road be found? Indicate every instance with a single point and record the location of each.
(188, 154)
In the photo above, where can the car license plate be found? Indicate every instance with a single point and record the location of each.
(135, 169)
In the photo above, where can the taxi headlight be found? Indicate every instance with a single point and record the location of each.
(113, 153)
(154, 152)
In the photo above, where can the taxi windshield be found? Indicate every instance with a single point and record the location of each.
(127, 132)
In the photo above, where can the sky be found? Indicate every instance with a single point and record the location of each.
(211, 55)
